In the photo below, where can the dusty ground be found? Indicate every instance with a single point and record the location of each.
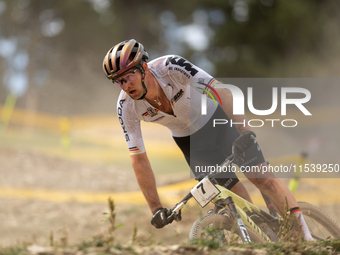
(34, 221)
(30, 220)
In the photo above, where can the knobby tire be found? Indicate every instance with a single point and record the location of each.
(218, 222)
(319, 216)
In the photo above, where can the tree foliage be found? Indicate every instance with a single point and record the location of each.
(65, 41)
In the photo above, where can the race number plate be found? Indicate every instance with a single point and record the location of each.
(204, 192)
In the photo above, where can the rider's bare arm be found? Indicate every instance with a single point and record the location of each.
(227, 106)
(146, 180)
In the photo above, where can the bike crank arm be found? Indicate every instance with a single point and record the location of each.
(243, 231)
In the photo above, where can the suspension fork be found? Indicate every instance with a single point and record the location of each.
(242, 229)
(233, 211)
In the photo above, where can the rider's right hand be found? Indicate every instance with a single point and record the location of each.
(159, 218)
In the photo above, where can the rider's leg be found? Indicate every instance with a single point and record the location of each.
(273, 188)
(277, 191)
(233, 183)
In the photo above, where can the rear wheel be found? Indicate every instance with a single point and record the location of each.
(217, 229)
(320, 224)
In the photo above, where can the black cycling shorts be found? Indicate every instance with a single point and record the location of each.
(210, 146)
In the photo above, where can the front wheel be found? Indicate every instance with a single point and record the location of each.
(320, 225)
(217, 229)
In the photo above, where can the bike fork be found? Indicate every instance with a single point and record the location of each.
(244, 233)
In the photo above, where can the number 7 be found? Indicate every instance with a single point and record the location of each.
(201, 186)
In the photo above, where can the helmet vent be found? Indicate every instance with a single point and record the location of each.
(110, 65)
(118, 60)
(107, 72)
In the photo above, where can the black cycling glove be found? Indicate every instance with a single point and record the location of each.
(241, 145)
(159, 218)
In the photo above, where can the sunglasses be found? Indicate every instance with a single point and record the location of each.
(124, 78)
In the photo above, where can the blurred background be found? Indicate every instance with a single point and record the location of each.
(58, 124)
(51, 51)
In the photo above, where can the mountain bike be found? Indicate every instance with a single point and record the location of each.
(232, 215)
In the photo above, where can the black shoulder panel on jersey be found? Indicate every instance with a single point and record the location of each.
(182, 62)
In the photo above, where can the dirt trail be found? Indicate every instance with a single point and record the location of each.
(33, 221)
(29, 220)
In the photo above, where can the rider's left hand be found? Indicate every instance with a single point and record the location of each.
(241, 145)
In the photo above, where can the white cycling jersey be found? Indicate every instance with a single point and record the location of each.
(176, 76)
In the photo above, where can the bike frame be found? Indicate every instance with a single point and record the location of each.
(243, 207)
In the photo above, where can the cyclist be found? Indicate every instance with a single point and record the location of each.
(161, 91)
